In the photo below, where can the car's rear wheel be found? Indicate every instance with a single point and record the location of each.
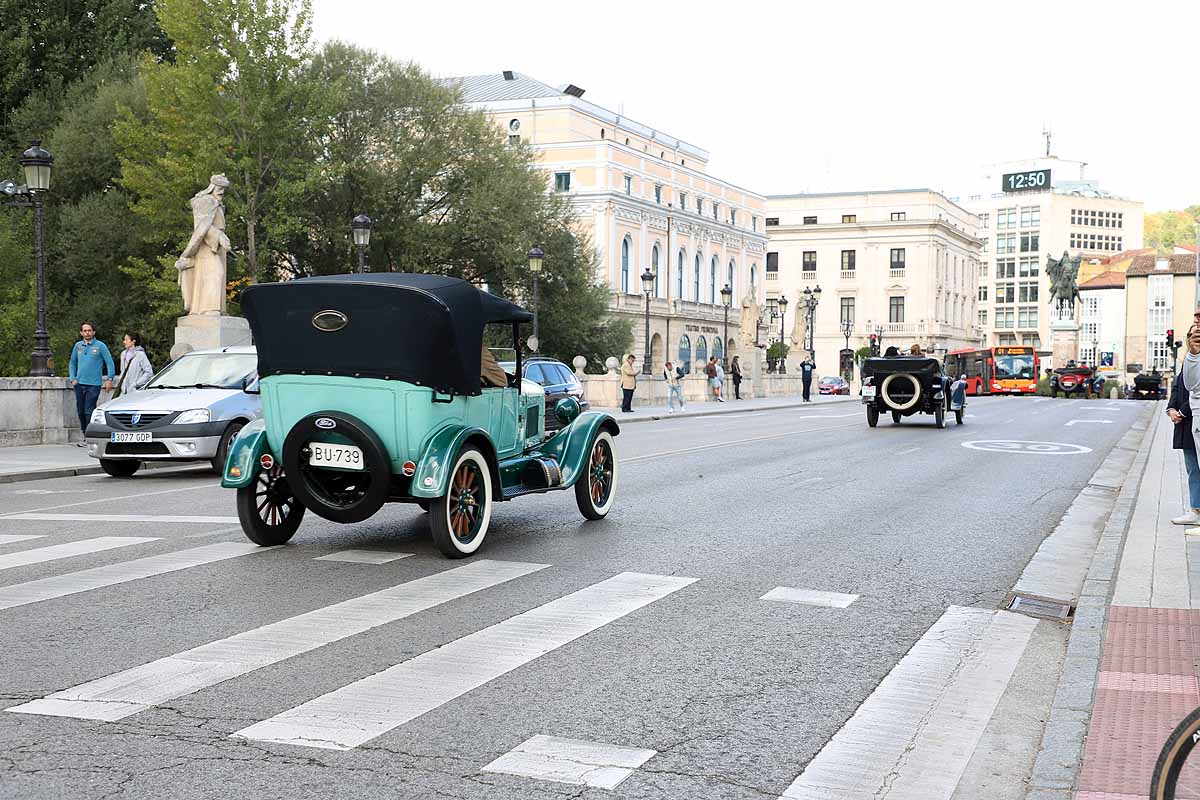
(218, 461)
(459, 519)
(939, 415)
(872, 416)
(596, 489)
(896, 417)
(120, 467)
(268, 508)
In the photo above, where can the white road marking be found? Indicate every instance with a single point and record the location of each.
(125, 693)
(57, 551)
(206, 485)
(1025, 447)
(365, 709)
(1099, 408)
(363, 556)
(121, 518)
(10, 538)
(809, 597)
(1093, 421)
(807, 480)
(909, 450)
(53, 491)
(75, 582)
(550, 758)
(913, 737)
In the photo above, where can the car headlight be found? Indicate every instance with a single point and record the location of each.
(193, 416)
(97, 417)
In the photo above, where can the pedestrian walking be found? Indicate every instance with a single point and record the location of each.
(628, 383)
(90, 369)
(1098, 385)
(1179, 410)
(806, 374)
(718, 380)
(674, 390)
(135, 365)
(735, 371)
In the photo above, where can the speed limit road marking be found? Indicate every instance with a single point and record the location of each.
(1028, 448)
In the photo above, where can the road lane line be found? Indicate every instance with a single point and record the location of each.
(365, 709)
(648, 456)
(125, 693)
(22, 594)
(120, 518)
(8, 538)
(909, 450)
(363, 556)
(914, 735)
(809, 597)
(550, 758)
(113, 499)
(82, 547)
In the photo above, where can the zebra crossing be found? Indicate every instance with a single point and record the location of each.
(367, 707)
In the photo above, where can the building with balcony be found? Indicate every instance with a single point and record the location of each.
(1102, 321)
(1160, 295)
(645, 200)
(899, 262)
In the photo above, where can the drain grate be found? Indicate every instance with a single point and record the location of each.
(1040, 607)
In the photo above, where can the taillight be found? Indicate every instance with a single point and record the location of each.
(266, 460)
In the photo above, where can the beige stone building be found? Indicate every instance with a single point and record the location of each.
(1160, 294)
(645, 199)
(900, 262)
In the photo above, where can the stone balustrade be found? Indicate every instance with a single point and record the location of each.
(37, 411)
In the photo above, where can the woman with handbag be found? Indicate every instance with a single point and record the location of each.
(135, 366)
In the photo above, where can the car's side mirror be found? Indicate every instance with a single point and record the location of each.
(566, 410)
(250, 385)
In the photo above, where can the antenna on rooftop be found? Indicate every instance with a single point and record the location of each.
(1046, 133)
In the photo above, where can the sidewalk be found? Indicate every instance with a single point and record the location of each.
(694, 409)
(1149, 677)
(40, 461)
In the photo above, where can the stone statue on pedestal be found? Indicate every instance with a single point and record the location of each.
(748, 321)
(1064, 290)
(202, 265)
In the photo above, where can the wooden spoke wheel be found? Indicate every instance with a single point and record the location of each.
(459, 519)
(268, 509)
(596, 486)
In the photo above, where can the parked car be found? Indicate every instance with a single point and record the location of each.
(555, 378)
(833, 384)
(372, 393)
(189, 411)
(903, 386)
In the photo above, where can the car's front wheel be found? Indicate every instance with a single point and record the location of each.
(120, 467)
(596, 489)
(268, 508)
(459, 518)
(218, 461)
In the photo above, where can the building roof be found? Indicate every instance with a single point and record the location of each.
(494, 87)
(1127, 255)
(1105, 280)
(1176, 265)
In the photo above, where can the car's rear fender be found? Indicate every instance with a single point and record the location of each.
(571, 446)
(432, 478)
(242, 463)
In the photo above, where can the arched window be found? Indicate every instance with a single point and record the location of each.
(679, 276)
(701, 349)
(718, 350)
(696, 280)
(712, 281)
(654, 268)
(685, 353)
(753, 277)
(731, 277)
(625, 265)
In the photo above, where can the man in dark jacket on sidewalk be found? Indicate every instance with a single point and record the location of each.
(1180, 412)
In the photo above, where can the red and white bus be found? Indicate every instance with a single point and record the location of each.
(996, 370)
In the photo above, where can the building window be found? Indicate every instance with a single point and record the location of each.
(654, 269)
(716, 207)
(1027, 292)
(562, 181)
(1027, 317)
(984, 220)
(772, 264)
(699, 205)
(1006, 243)
(628, 184)
(701, 349)
(1029, 242)
(1031, 216)
(730, 283)
(712, 281)
(1006, 268)
(810, 220)
(897, 259)
(1006, 293)
(899, 216)
(679, 276)
(625, 265)
(772, 222)
(983, 293)
(602, 133)
(808, 261)
(1004, 318)
(1091, 307)
(847, 310)
(733, 216)
(983, 269)
(983, 318)
(685, 353)
(683, 201)
(1006, 218)
(848, 218)
(657, 193)
(753, 222)
(895, 309)
(754, 278)
(696, 280)
(514, 138)
(848, 260)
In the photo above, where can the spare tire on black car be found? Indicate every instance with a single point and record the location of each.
(337, 495)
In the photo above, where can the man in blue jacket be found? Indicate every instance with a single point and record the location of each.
(91, 369)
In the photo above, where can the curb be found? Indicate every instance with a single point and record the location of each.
(718, 411)
(70, 472)
(1061, 753)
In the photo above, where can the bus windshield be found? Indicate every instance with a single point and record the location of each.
(1014, 368)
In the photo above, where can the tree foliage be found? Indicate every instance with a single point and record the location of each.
(1164, 230)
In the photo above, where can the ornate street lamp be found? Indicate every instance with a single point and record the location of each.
(783, 304)
(811, 298)
(360, 226)
(535, 268)
(847, 329)
(648, 278)
(726, 300)
(37, 164)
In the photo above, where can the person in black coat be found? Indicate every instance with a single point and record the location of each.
(1180, 412)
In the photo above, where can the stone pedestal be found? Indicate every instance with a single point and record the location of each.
(200, 331)
(1064, 337)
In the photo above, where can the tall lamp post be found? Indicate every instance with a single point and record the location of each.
(648, 289)
(726, 301)
(360, 226)
(879, 338)
(535, 268)
(811, 298)
(783, 304)
(36, 163)
(847, 329)
(675, 305)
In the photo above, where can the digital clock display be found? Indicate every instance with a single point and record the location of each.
(1033, 180)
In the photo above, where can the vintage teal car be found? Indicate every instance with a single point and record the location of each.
(372, 393)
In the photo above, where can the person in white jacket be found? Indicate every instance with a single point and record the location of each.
(136, 371)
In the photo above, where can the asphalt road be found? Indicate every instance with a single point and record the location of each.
(735, 693)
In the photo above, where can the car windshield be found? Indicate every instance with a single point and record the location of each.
(1014, 368)
(830, 379)
(206, 371)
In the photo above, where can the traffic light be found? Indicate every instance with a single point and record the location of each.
(874, 344)
(1171, 338)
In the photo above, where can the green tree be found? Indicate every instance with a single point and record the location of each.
(1166, 229)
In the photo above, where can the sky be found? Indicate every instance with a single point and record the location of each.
(807, 96)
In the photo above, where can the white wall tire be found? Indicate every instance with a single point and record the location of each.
(596, 487)
(912, 401)
(459, 519)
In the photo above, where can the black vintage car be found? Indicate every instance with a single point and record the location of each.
(903, 386)
(1148, 386)
(1070, 379)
